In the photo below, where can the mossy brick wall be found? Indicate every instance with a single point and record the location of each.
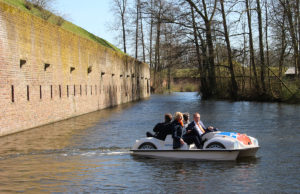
(48, 74)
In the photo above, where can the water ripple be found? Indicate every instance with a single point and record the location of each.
(91, 153)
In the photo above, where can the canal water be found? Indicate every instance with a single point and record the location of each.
(91, 153)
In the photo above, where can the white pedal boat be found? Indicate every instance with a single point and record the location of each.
(217, 146)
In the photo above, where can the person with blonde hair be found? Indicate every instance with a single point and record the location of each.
(177, 130)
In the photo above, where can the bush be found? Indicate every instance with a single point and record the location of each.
(28, 5)
(59, 20)
(45, 14)
(40, 4)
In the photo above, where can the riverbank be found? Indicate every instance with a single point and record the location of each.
(186, 80)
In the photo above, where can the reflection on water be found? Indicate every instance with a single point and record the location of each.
(204, 176)
(90, 153)
(57, 136)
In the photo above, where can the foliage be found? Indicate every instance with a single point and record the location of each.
(185, 87)
(60, 20)
(186, 72)
(187, 80)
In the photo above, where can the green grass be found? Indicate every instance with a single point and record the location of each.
(20, 4)
(184, 87)
(187, 72)
(17, 3)
(220, 71)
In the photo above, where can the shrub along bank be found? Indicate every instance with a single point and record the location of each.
(188, 80)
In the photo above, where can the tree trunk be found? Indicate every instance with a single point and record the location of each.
(243, 61)
(261, 47)
(137, 28)
(150, 37)
(234, 87)
(203, 85)
(298, 14)
(142, 38)
(196, 42)
(283, 45)
(252, 62)
(211, 69)
(287, 7)
(157, 47)
(211, 55)
(211, 64)
(123, 10)
(169, 76)
(267, 43)
(204, 61)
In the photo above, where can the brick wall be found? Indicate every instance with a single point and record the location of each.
(49, 74)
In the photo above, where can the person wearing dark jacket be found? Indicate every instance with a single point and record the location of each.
(162, 129)
(195, 130)
(177, 130)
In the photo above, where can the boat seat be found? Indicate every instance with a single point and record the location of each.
(192, 147)
(169, 139)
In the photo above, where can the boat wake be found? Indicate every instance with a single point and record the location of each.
(100, 151)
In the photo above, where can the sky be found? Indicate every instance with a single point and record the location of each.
(94, 16)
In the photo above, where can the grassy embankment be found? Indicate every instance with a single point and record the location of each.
(186, 80)
(57, 20)
(182, 80)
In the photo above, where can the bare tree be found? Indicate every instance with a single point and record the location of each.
(267, 42)
(193, 34)
(208, 32)
(261, 46)
(151, 34)
(292, 29)
(41, 4)
(198, 53)
(298, 14)
(142, 35)
(45, 8)
(234, 86)
(252, 60)
(121, 8)
(137, 27)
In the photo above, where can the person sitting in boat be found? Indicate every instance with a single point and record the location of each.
(162, 129)
(195, 130)
(177, 130)
(186, 119)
